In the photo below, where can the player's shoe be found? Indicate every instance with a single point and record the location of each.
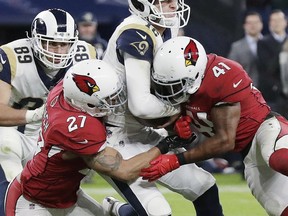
(109, 204)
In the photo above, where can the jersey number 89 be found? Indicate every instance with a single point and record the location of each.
(23, 55)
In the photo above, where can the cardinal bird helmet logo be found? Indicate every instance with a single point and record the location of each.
(191, 54)
(85, 84)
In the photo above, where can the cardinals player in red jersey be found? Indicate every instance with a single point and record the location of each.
(71, 142)
(221, 102)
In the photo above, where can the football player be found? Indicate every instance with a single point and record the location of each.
(130, 50)
(29, 68)
(71, 142)
(222, 103)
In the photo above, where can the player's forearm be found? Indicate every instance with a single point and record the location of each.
(133, 166)
(209, 148)
(142, 103)
(140, 161)
(225, 117)
(110, 162)
(150, 108)
(11, 117)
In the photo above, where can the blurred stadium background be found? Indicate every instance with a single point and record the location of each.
(215, 23)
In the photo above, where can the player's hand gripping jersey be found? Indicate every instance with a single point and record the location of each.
(64, 130)
(238, 88)
(30, 83)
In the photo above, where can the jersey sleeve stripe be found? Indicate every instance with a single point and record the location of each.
(12, 60)
(92, 51)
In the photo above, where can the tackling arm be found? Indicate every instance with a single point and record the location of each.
(110, 162)
(225, 119)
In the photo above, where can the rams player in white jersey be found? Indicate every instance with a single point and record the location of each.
(29, 68)
(130, 50)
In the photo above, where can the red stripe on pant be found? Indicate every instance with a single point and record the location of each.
(12, 195)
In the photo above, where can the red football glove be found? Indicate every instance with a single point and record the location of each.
(182, 127)
(159, 167)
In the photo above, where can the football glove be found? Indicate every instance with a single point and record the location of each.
(35, 115)
(159, 167)
(175, 141)
(182, 127)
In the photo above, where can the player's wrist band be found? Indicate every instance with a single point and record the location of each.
(163, 147)
(181, 158)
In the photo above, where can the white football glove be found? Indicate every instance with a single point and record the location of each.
(35, 115)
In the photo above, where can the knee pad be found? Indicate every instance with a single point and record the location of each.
(158, 206)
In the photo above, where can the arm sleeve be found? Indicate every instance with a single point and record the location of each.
(141, 102)
(6, 71)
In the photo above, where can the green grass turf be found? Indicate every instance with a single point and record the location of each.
(235, 196)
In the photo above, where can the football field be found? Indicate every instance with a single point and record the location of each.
(235, 196)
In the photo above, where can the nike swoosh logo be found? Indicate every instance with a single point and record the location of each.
(2, 60)
(85, 141)
(142, 36)
(235, 85)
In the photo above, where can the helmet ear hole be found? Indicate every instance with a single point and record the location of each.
(139, 8)
(138, 5)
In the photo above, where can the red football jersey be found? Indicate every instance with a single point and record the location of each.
(226, 81)
(48, 178)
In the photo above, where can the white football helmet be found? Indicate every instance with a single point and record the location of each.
(54, 26)
(178, 68)
(94, 87)
(152, 10)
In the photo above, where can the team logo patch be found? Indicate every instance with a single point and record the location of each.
(191, 54)
(85, 84)
(141, 47)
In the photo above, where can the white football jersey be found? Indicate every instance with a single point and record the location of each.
(138, 38)
(30, 84)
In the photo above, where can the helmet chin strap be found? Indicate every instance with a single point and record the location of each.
(164, 22)
(170, 22)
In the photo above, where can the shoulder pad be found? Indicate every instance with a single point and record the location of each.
(138, 41)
